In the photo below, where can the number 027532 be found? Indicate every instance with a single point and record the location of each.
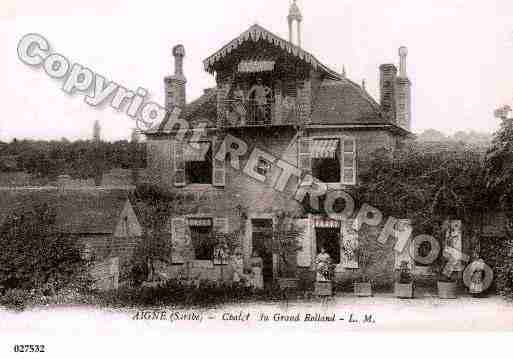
(29, 348)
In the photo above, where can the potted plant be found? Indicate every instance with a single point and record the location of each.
(404, 285)
(363, 253)
(446, 285)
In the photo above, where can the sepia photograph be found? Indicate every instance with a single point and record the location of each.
(178, 172)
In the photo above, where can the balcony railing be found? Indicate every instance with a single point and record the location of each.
(254, 114)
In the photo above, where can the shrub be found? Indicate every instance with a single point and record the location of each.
(33, 257)
(504, 271)
(15, 299)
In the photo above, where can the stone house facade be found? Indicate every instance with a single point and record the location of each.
(272, 95)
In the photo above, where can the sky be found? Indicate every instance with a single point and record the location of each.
(460, 57)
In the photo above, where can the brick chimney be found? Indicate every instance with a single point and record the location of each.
(387, 85)
(175, 84)
(403, 92)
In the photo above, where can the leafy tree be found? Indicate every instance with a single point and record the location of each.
(499, 177)
(33, 256)
(427, 183)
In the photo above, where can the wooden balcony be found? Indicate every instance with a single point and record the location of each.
(252, 114)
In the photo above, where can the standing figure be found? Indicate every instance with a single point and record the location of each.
(238, 268)
(260, 93)
(323, 266)
(239, 104)
(257, 279)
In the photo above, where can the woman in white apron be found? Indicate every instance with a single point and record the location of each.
(257, 279)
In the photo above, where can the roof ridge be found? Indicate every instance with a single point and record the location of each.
(257, 32)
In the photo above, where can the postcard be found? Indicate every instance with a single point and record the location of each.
(178, 170)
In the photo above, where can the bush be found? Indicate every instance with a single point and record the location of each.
(34, 257)
(15, 299)
(504, 271)
(179, 294)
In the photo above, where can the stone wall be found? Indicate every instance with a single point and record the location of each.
(256, 199)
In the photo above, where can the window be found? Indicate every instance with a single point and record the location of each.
(201, 236)
(193, 163)
(326, 165)
(332, 160)
(329, 239)
(326, 160)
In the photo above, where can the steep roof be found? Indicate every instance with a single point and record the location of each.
(203, 109)
(336, 100)
(256, 33)
(78, 211)
(344, 102)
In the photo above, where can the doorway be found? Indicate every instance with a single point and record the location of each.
(329, 239)
(262, 246)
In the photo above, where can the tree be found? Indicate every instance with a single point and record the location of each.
(33, 256)
(499, 168)
(427, 183)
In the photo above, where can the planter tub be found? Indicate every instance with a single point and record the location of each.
(404, 290)
(323, 289)
(363, 289)
(446, 290)
(288, 283)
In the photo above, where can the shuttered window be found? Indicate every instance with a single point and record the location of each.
(331, 160)
(194, 164)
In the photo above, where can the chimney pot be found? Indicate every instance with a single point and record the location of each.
(403, 52)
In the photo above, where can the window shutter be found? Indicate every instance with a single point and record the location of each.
(179, 240)
(221, 224)
(219, 170)
(349, 161)
(305, 159)
(349, 243)
(179, 164)
(304, 256)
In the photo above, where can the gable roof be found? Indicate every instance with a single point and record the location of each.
(256, 33)
(78, 211)
(128, 224)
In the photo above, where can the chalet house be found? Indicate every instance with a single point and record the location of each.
(274, 95)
